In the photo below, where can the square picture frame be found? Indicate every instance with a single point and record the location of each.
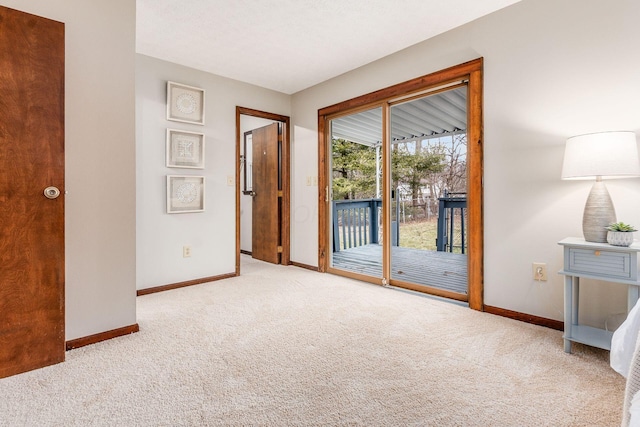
(185, 193)
(185, 149)
(185, 103)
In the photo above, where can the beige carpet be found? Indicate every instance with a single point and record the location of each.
(284, 346)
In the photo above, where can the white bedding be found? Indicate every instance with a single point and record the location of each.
(625, 359)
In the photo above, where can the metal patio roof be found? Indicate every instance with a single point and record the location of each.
(432, 116)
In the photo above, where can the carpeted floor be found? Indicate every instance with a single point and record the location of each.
(285, 346)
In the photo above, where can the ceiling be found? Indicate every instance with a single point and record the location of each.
(444, 113)
(290, 45)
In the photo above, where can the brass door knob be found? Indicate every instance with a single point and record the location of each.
(51, 192)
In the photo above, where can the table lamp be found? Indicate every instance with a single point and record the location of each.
(602, 155)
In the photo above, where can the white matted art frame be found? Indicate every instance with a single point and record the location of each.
(185, 149)
(185, 103)
(185, 193)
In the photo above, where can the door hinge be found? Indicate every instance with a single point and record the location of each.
(326, 194)
(279, 249)
(279, 193)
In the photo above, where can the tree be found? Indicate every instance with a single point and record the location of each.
(354, 170)
(453, 177)
(411, 169)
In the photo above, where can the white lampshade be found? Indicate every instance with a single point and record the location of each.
(597, 156)
(603, 154)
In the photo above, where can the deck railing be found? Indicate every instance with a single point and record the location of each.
(356, 223)
(447, 216)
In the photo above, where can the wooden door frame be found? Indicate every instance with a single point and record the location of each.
(472, 72)
(285, 221)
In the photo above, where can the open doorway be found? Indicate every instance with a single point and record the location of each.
(262, 186)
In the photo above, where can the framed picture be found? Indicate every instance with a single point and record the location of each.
(185, 149)
(185, 103)
(185, 193)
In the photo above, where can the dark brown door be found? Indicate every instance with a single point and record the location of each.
(31, 160)
(266, 188)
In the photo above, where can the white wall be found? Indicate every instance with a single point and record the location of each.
(552, 70)
(211, 234)
(99, 144)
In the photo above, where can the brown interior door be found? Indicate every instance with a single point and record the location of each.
(266, 202)
(31, 160)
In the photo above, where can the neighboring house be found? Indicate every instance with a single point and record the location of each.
(551, 70)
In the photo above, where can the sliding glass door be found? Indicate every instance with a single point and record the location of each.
(429, 192)
(425, 165)
(356, 193)
(402, 185)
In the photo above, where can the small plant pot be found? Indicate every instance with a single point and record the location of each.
(620, 238)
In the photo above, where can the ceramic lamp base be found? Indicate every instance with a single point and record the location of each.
(598, 213)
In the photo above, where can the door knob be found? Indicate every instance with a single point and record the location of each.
(253, 194)
(51, 192)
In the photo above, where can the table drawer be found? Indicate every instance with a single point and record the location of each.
(600, 263)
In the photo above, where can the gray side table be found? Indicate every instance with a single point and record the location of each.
(595, 261)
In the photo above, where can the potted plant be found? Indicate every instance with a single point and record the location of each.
(620, 234)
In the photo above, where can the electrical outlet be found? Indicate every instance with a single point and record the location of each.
(540, 271)
(186, 251)
(308, 181)
(230, 180)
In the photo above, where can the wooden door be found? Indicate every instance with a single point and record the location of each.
(31, 159)
(266, 188)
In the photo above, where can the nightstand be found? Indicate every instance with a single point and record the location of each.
(599, 261)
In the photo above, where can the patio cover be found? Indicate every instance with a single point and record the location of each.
(444, 113)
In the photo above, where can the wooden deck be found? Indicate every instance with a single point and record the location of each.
(442, 270)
